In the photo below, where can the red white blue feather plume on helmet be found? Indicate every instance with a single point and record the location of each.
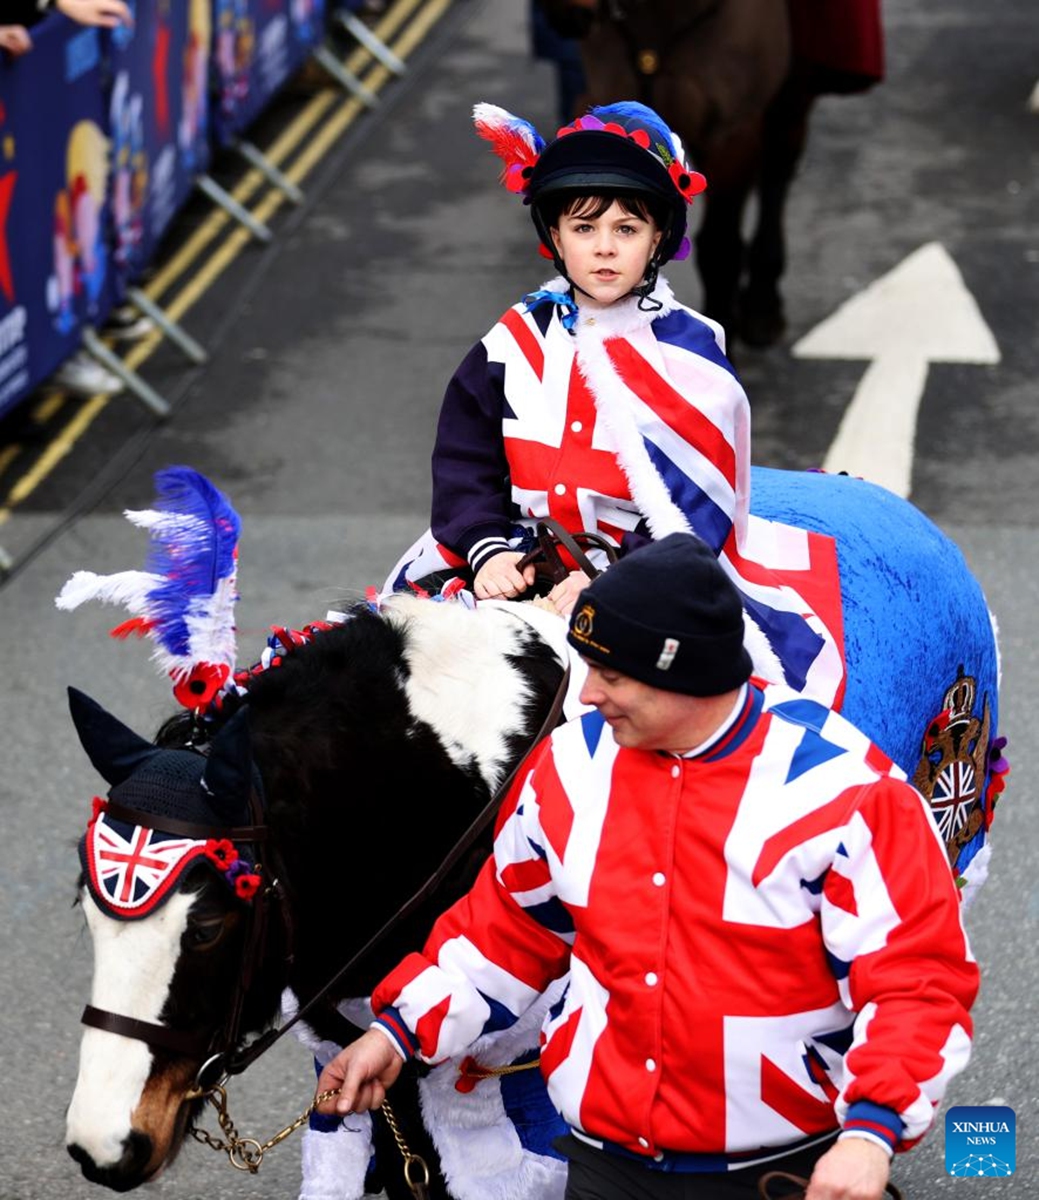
(184, 598)
(515, 141)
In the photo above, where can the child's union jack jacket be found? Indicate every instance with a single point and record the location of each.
(631, 423)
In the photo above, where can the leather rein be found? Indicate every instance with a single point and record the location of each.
(224, 1057)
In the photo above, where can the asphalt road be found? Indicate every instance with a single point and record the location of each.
(316, 413)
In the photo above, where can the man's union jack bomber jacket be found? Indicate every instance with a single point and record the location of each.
(763, 940)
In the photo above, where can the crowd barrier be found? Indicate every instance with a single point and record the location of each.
(104, 135)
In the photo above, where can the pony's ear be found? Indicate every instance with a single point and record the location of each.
(115, 750)
(228, 777)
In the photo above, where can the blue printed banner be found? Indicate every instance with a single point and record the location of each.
(158, 111)
(54, 260)
(259, 46)
(981, 1141)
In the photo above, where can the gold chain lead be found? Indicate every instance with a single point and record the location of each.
(246, 1154)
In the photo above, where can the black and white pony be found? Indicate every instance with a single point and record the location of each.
(367, 748)
(374, 743)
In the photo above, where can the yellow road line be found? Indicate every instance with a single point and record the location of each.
(55, 452)
(239, 238)
(8, 454)
(47, 407)
(60, 447)
(183, 259)
(277, 153)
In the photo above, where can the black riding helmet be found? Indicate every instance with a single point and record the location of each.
(624, 149)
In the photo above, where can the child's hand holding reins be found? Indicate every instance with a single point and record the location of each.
(498, 578)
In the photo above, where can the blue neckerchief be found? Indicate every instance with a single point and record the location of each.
(567, 305)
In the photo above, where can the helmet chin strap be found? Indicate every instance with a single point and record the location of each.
(647, 301)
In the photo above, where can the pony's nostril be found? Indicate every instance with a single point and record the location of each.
(124, 1175)
(80, 1155)
(136, 1154)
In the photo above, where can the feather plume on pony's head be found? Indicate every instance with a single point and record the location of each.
(184, 598)
(515, 141)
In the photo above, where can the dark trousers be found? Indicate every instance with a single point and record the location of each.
(597, 1175)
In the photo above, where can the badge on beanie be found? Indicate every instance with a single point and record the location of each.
(667, 654)
(582, 624)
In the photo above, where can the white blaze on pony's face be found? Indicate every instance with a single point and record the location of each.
(115, 1096)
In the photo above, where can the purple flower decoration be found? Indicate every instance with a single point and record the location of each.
(238, 867)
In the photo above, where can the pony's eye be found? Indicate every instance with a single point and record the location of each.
(203, 933)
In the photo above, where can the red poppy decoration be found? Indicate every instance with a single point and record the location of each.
(246, 886)
(199, 686)
(221, 853)
(999, 769)
(98, 806)
(517, 176)
(689, 183)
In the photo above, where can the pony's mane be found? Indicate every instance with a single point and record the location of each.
(337, 744)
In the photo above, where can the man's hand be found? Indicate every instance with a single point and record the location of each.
(498, 578)
(564, 595)
(853, 1169)
(15, 39)
(108, 13)
(363, 1073)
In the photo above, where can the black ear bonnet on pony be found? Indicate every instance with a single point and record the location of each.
(134, 850)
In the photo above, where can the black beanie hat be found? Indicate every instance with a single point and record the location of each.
(667, 615)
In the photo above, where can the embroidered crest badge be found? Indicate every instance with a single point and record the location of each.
(951, 771)
(583, 623)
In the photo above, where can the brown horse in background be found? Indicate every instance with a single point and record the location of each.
(736, 80)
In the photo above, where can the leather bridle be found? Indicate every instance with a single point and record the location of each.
(195, 1044)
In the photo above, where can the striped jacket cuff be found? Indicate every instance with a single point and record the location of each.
(391, 1023)
(872, 1121)
(484, 549)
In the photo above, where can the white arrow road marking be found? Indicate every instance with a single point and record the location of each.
(919, 313)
